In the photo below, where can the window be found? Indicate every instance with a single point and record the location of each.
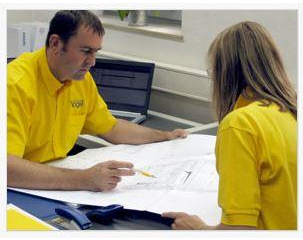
(174, 15)
(160, 23)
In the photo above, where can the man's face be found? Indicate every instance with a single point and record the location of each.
(78, 55)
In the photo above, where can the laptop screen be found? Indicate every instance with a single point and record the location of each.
(124, 85)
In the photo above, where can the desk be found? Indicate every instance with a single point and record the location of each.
(155, 120)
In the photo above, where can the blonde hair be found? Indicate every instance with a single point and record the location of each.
(245, 60)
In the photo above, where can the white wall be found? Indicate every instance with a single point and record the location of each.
(19, 16)
(199, 28)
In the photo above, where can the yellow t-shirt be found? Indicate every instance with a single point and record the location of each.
(44, 116)
(256, 153)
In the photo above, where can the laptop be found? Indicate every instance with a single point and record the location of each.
(125, 86)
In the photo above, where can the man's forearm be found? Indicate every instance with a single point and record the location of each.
(25, 174)
(130, 133)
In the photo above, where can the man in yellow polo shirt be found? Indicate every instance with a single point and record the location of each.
(52, 98)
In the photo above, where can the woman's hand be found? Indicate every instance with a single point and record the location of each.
(184, 221)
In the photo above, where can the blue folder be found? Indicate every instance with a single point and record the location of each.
(85, 216)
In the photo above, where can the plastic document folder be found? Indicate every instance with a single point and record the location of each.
(17, 219)
(67, 216)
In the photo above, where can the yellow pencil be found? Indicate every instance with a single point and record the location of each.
(144, 173)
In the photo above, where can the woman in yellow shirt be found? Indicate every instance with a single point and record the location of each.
(256, 148)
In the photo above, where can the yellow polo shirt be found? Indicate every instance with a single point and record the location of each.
(256, 153)
(44, 116)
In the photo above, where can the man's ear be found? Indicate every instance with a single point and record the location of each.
(55, 43)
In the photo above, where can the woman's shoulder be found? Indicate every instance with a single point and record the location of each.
(244, 118)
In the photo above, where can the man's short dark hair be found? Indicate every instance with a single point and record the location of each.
(65, 24)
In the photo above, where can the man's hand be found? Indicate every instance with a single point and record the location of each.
(177, 133)
(105, 176)
(184, 221)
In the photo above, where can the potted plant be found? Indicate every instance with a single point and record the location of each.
(135, 17)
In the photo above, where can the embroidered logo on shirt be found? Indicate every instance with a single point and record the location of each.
(77, 103)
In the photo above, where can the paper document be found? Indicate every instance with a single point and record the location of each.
(143, 155)
(196, 174)
(184, 169)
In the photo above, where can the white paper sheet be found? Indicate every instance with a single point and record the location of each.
(185, 170)
(187, 173)
(203, 204)
(142, 155)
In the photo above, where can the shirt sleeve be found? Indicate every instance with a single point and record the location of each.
(239, 190)
(99, 120)
(18, 119)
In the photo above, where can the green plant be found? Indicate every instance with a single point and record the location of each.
(156, 13)
(123, 14)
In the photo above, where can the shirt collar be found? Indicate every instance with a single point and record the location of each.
(242, 102)
(52, 84)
